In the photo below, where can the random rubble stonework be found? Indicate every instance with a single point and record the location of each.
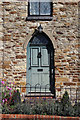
(14, 30)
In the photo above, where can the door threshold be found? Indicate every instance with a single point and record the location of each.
(39, 94)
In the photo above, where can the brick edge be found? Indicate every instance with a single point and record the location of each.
(37, 116)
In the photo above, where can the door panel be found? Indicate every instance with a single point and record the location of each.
(34, 59)
(34, 79)
(45, 79)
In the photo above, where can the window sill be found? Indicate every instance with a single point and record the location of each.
(39, 18)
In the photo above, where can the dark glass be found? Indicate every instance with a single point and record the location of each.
(39, 39)
(45, 8)
(34, 8)
(40, 8)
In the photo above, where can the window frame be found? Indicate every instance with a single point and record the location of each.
(40, 17)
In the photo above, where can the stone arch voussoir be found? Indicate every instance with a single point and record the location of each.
(31, 35)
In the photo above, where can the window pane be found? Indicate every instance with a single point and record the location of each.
(34, 8)
(45, 8)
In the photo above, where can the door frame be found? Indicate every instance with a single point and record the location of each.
(52, 68)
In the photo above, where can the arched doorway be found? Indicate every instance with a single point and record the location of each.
(40, 64)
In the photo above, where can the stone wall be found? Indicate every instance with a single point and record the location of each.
(14, 30)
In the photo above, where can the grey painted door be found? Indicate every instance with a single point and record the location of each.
(38, 62)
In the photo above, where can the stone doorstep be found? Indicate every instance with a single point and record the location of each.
(33, 93)
(39, 95)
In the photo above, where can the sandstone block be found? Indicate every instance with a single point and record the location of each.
(1, 28)
(77, 46)
(54, 13)
(57, 64)
(71, 3)
(63, 16)
(5, 66)
(23, 15)
(62, 79)
(67, 24)
(7, 62)
(7, 37)
(58, 89)
(78, 84)
(69, 84)
(0, 66)
(15, 73)
(15, 62)
(75, 80)
(61, 72)
(5, 72)
(6, 3)
(23, 83)
(58, 32)
(17, 82)
(66, 50)
(20, 56)
(58, 84)
(62, 9)
(61, 57)
(13, 12)
(58, 5)
(17, 79)
(63, 60)
(1, 34)
(23, 89)
(4, 79)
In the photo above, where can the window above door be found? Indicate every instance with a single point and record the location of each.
(38, 9)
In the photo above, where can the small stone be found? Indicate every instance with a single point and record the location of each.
(63, 9)
(71, 3)
(5, 66)
(62, 79)
(78, 84)
(20, 56)
(69, 83)
(58, 32)
(23, 83)
(63, 16)
(13, 12)
(23, 89)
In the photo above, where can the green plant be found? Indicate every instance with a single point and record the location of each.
(65, 98)
(15, 98)
(5, 109)
(20, 108)
(77, 109)
(48, 107)
(66, 108)
(57, 108)
(9, 96)
(25, 108)
(44, 107)
(37, 109)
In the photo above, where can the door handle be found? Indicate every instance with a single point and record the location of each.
(29, 68)
(39, 55)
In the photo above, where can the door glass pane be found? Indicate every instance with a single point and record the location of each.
(44, 57)
(34, 8)
(45, 8)
(34, 59)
